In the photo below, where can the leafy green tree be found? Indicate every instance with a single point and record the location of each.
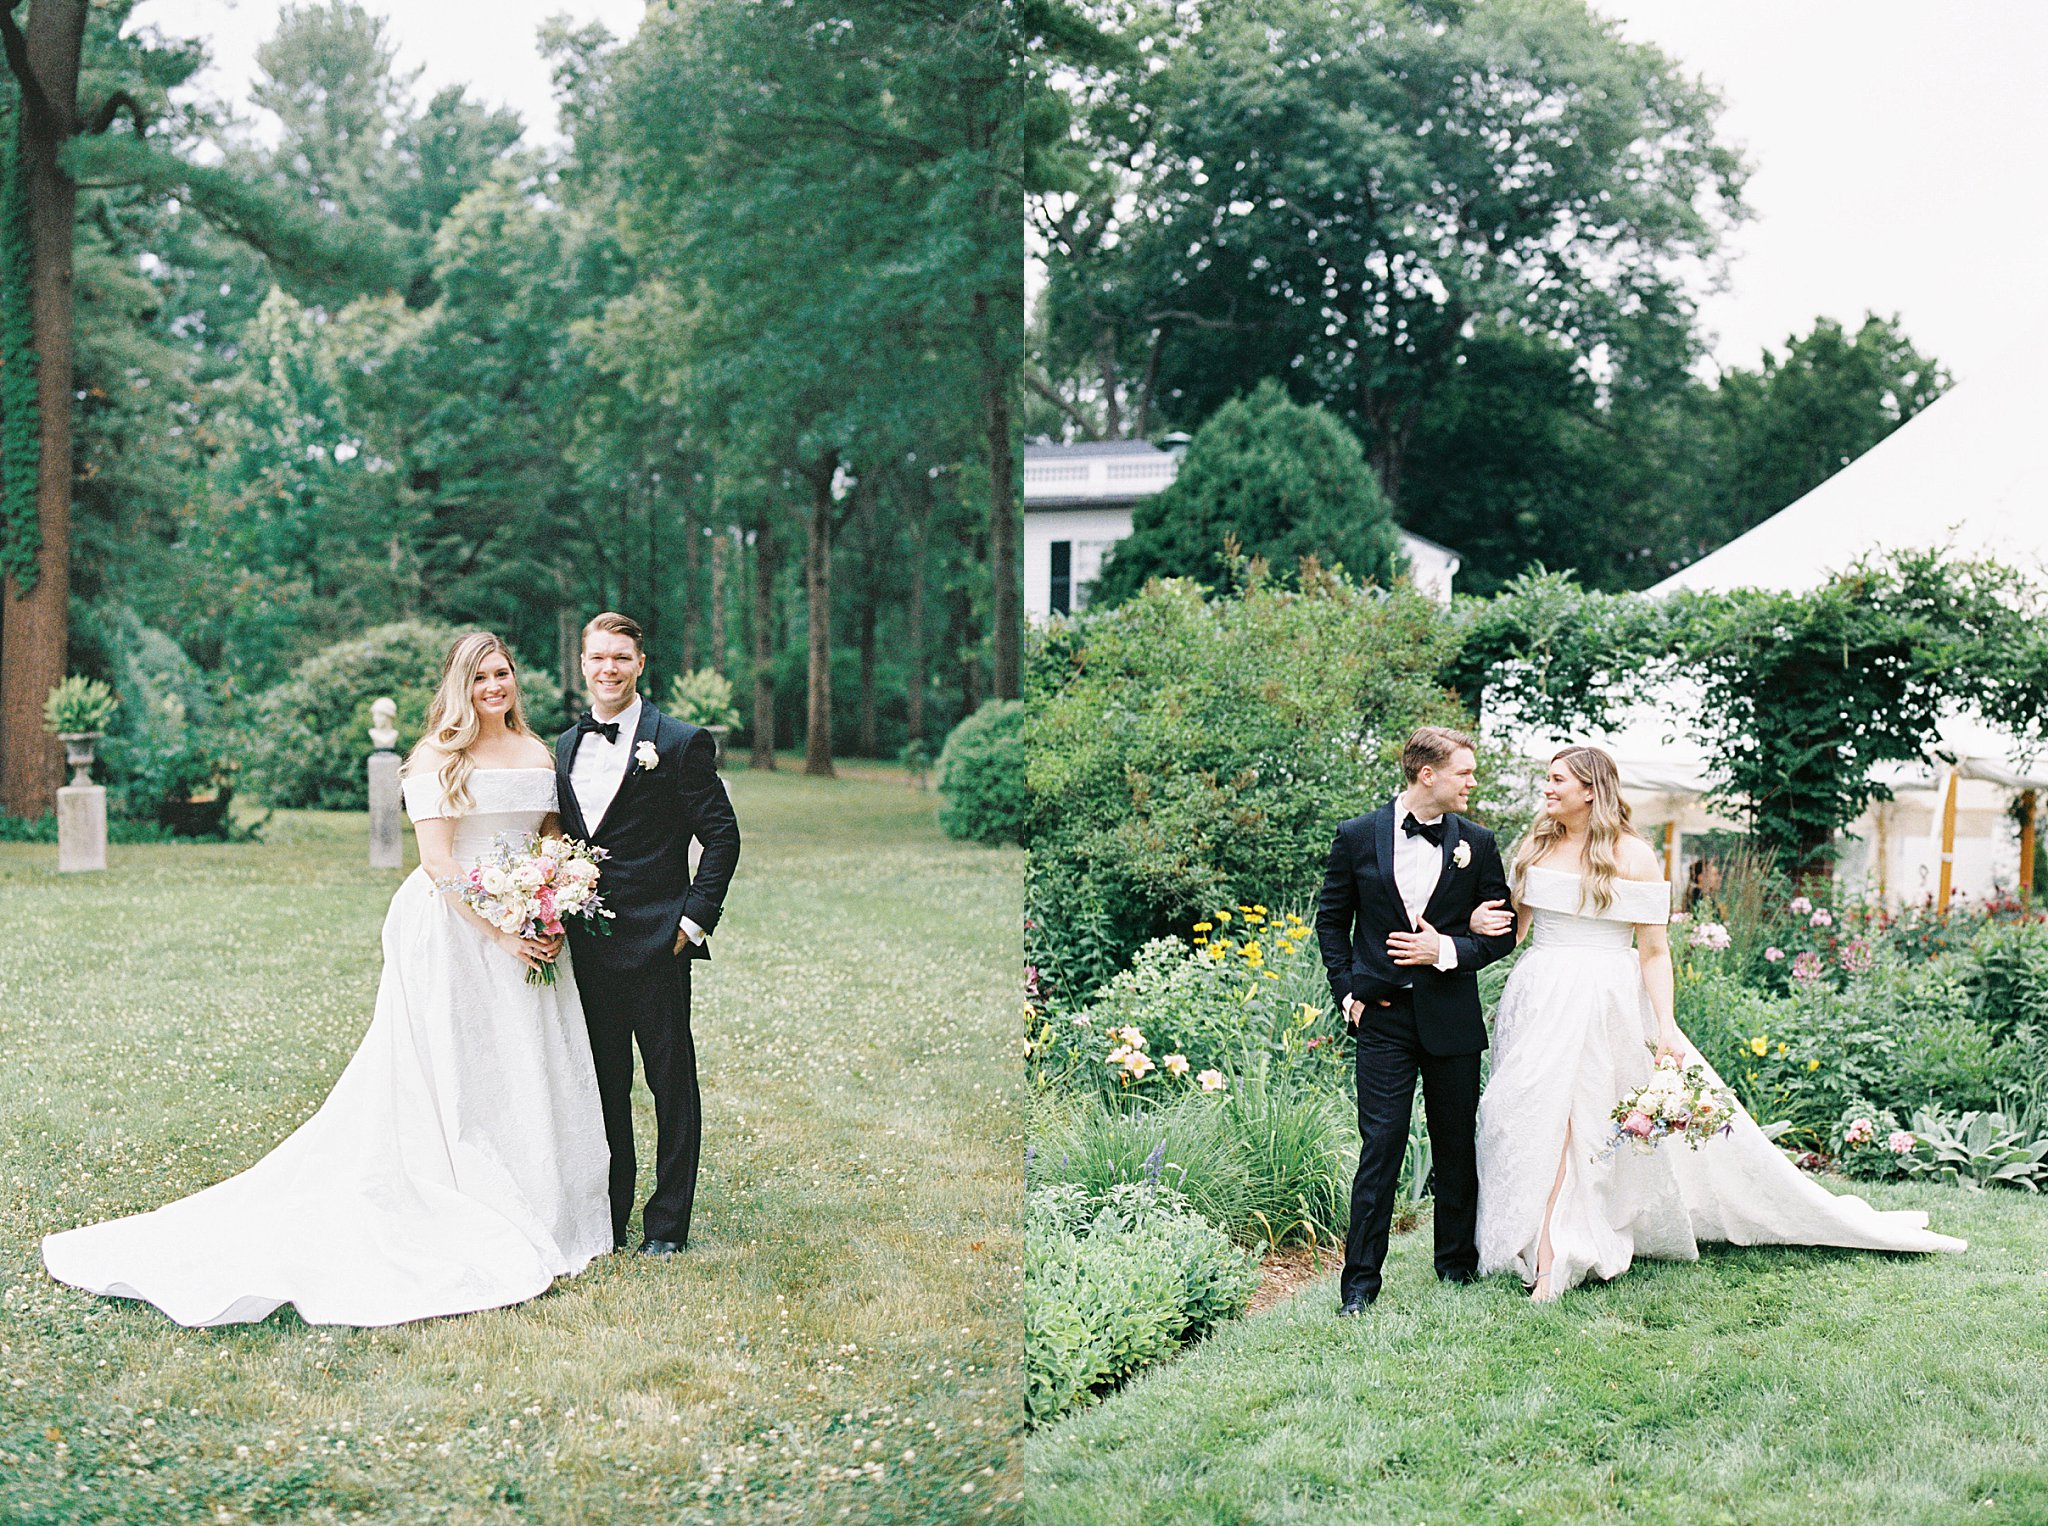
(1273, 478)
(1337, 193)
(1788, 426)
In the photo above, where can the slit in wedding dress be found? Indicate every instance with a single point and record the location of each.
(1546, 1254)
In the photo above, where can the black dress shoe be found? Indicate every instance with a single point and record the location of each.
(659, 1248)
(1353, 1306)
(1461, 1278)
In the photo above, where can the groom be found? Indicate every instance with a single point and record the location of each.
(1394, 922)
(640, 785)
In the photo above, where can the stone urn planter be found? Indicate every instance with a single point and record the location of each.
(78, 753)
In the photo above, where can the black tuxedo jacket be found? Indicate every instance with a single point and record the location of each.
(646, 882)
(1361, 904)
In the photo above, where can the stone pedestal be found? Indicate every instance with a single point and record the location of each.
(81, 828)
(387, 844)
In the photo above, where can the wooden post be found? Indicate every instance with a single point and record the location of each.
(2028, 829)
(1948, 842)
(1671, 836)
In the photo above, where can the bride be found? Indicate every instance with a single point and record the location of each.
(460, 1161)
(1573, 1036)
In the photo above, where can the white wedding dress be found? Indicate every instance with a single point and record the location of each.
(1570, 1040)
(458, 1164)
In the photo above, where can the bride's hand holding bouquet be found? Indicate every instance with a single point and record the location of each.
(527, 889)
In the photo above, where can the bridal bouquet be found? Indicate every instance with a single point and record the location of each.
(531, 885)
(1679, 1102)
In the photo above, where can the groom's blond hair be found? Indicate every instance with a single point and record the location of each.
(618, 625)
(1431, 747)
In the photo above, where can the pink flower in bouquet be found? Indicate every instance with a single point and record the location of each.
(1807, 967)
(1859, 1132)
(1773, 955)
(1639, 1124)
(1799, 906)
(1900, 1142)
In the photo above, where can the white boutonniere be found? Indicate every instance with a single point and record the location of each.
(645, 755)
(1461, 856)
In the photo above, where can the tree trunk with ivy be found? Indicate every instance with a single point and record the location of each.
(34, 629)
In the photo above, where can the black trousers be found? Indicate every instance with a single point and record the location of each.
(1390, 1056)
(651, 1005)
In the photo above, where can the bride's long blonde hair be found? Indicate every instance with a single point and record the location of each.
(1607, 823)
(452, 720)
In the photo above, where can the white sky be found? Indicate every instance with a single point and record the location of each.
(1896, 150)
(488, 45)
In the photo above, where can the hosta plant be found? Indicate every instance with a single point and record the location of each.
(1976, 1150)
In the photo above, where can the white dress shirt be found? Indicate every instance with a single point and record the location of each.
(1418, 865)
(599, 770)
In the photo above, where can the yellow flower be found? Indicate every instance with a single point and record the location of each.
(1203, 927)
(1252, 916)
(1200, 941)
(1260, 910)
(1223, 917)
(1813, 1064)
(1759, 1046)
(1270, 975)
(1783, 1051)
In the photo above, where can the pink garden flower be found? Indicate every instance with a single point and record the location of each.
(1822, 918)
(1859, 1132)
(1900, 1142)
(1799, 906)
(1773, 955)
(1638, 1124)
(1857, 956)
(1807, 967)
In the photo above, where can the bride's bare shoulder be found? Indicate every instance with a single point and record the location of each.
(1637, 860)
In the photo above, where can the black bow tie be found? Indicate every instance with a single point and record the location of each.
(1433, 830)
(610, 730)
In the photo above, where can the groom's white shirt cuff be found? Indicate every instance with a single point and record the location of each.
(1446, 952)
(697, 934)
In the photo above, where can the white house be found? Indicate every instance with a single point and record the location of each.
(1078, 501)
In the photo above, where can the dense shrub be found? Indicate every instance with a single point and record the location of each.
(981, 775)
(308, 736)
(1115, 1283)
(2006, 967)
(1188, 752)
(1895, 1038)
(1221, 1008)
(1281, 479)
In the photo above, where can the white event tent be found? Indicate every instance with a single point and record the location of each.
(1963, 474)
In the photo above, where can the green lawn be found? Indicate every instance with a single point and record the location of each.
(840, 1342)
(1756, 1386)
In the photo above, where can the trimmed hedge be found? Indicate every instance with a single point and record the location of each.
(981, 774)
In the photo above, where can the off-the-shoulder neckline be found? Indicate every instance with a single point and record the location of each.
(1574, 874)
